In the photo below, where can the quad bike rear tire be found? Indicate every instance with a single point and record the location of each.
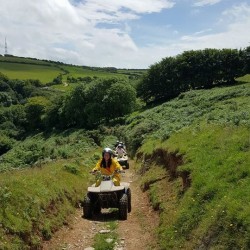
(123, 207)
(87, 207)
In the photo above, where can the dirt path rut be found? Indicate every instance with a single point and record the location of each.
(137, 232)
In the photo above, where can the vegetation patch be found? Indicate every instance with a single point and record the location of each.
(194, 148)
(106, 239)
(36, 202)
(214, 208)
(227, 106)
(37, 198)
(43, 148)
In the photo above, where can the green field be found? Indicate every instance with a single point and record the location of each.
(45, 71)
(78, 71)
(29, 71)
(16, 59)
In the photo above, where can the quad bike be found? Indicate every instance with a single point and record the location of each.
(107, 195)
(123, 160)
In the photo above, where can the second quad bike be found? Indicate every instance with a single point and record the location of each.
(123, 160)
(107, 195)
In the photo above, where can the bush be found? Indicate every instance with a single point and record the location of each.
(5, 144)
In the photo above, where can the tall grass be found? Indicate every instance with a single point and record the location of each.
(224, 105)
(36, 202)
(41, 148)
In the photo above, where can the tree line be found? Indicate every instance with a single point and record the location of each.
(192, 70)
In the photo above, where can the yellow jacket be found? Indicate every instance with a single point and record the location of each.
(108, 171)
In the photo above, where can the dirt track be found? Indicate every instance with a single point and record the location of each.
(137, 232)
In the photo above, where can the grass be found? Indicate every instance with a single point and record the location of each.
(224, 105)
(36, 202)
(50, 180)
(78, 71)
(245, 78)
(213, 212)
(65, 87)
(41, 148)
(16, 59)
(28, 68)
(21, 71)
(107, 240)
(209, 130)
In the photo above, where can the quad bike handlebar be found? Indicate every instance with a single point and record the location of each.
(98, 172)
(116, 154)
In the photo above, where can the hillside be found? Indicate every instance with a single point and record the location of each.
(228, 105)
(194, 158)
(192, 154)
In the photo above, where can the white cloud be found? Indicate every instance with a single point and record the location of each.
(58, 30)
(79, 33)
(136, 6)
(201, 3)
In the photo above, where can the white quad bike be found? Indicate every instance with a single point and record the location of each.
(123, 160)
(107, 195)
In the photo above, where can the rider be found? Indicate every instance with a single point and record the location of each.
(120, 151)
(117, 143)
(123, 145)
(120, 142)
(108, 165)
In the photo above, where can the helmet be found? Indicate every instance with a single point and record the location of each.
(120, 145)
(107, 150)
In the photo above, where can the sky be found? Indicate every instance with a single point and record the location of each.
(132, 34)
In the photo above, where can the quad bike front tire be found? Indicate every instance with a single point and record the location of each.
(87, 207)
(129, 199)
(97, 207)
(123, 207)
(127, 165)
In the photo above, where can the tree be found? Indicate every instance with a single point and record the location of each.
(161, 82)
(101, 100)
(53, 116)
(245, 55)
(191, 70)
(231, 65)
(35, 109)
(72, 112)
(119, 101)
(96, 94)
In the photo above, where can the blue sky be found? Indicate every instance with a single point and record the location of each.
(121, 33)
